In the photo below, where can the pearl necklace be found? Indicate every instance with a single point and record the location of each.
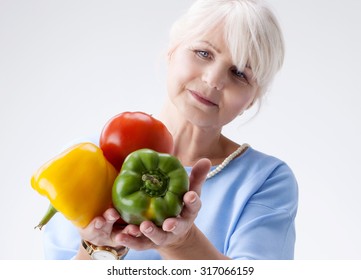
(227, 161)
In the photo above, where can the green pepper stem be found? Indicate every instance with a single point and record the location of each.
(155, 183)
(152, 179)
(48, 215)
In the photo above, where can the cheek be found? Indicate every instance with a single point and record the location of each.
(180, 71)
(238, 102)
(233, 108)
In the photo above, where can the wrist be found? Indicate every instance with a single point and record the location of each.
(195, 246)
(82, 254)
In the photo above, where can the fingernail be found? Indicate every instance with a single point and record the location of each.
(173, 228)
(111, 218)
(148, 230)
(193, 199)
(98, 224)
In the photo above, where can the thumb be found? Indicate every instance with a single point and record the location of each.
(198, 175)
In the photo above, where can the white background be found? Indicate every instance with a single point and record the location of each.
(67, 66)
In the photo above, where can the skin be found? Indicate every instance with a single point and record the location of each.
(205, 92)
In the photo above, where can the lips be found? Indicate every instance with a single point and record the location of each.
(202, 99)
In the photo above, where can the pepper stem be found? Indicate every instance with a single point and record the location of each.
(155, 183)
(152, 179)
(48, 215)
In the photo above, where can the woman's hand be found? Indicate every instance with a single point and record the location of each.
(174, 231)
(103, 230)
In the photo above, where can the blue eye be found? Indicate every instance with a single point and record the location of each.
(239, 74)
(203, 54)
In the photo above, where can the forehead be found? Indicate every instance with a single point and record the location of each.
(213, 38)
(217, 39)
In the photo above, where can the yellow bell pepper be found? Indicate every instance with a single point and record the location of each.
(78, 183)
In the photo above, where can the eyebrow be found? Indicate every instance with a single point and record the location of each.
(219, 51)
(211, 45)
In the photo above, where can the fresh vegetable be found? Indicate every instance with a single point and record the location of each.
(78, 183)
(131, 131)
(150, 186)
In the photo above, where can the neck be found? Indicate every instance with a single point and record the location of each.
(192, 142)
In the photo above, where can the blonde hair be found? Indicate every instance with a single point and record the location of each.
(251, 30)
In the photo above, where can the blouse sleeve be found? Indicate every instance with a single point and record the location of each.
(266, 228)
(61, 239)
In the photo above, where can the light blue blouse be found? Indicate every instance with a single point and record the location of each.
(248, 212)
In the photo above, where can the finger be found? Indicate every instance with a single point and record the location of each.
(153, 233)
(132, 237)
(99, 229)
(91, 230)
(192, 205)
(132, 230)
(179, 225)
(198, 174)
(110, 217)
(136, 243)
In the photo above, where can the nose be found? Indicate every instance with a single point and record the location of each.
(214, 76)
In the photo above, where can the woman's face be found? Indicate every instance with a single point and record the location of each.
(205, 85)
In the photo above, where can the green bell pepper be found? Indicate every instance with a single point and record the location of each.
(150, 186)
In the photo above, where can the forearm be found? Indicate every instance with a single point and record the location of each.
(195, 247)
